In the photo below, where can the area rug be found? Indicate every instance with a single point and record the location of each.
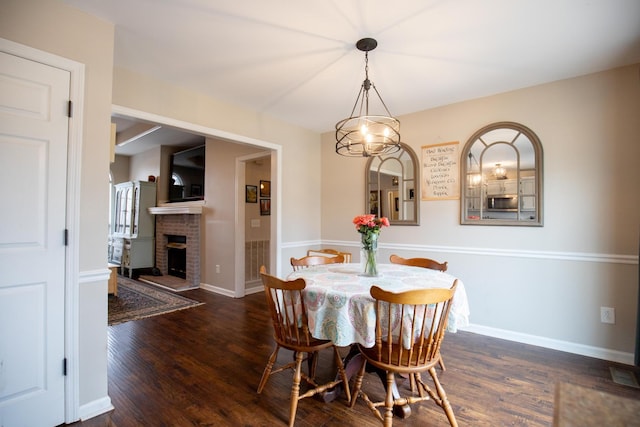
(137, 300)
(168, 282)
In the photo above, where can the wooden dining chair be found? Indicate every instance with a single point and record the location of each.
(308, 261)
(410, 346)
(291, 331)
(330, 253)
(424, 263)
(419, 262)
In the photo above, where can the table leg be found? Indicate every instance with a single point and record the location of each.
(352, 363)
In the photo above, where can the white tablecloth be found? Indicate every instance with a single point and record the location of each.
(341, 309)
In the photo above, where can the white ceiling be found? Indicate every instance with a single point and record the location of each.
(296, 59)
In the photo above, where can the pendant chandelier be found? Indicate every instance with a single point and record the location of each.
(367, 134)
(500, 172)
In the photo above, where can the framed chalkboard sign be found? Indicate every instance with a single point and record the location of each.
(440, 171)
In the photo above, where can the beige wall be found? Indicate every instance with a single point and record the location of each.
(538, 284)
(219, 214)
(145, 164)
(53, 27)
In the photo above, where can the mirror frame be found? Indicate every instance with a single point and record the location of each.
(416, 187)
(465, 194)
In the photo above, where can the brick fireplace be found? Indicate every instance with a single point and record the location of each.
(186, 226)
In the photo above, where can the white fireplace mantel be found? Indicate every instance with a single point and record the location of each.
(176, 210)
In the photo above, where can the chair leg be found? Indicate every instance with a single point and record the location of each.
(444, 401)
(412, 382)
(420, 386)
(268, 368)
(388, 403)
(295, 388)
(441, 363)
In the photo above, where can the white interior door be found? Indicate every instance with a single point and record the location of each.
(33, 168)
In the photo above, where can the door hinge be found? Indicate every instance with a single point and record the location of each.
(66, 237)
(70, 109)
(64, 366)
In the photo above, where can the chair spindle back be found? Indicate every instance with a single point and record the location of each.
(410, 325)
(287, 309)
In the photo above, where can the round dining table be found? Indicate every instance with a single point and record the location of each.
(340, 308)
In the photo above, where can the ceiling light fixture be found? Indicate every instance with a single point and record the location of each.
(367, 134)
(500, 172)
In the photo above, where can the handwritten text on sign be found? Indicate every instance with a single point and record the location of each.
(440, 171)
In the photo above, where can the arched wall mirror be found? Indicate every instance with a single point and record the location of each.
(391, 188)
(502, 177)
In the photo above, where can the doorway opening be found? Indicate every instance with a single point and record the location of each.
(269, 151)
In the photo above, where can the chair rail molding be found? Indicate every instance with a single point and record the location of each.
(512, 253)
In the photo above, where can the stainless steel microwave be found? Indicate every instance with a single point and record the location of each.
(502, 203)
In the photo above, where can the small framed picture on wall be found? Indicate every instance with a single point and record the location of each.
(251, 193)
(265, 188)
(265, 206)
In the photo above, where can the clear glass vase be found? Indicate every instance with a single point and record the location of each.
(369, 254)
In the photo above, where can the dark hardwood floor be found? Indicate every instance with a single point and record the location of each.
(201, 367)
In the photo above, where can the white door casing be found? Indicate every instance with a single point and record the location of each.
(34, 129)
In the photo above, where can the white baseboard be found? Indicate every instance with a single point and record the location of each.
(569, 347)
(217, 290)
(228, 293)
(254, 289)
(95, 408)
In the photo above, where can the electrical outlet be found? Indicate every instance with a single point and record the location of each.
(217, 268)
(607, 315)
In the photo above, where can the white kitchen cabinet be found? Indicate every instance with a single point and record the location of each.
(528, 185)
(528, 194)
(137, 253)
(130, 216)
(499, 187)
(133, 227)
